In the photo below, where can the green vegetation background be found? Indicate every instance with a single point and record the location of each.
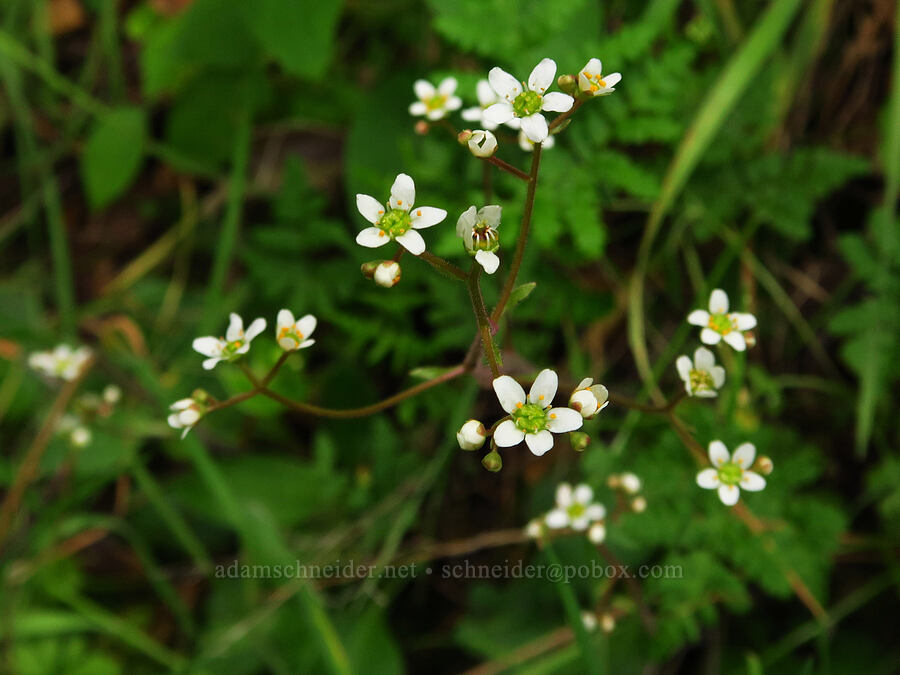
(168, 161)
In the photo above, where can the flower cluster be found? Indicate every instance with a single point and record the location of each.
(62, 361)
(629, 487)
(575, 510)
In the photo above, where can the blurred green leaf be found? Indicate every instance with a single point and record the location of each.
(113, 154)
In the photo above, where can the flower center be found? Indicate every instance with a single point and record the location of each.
(530, 418)
(527, 103)
(394, 223)
(721, 323)
(231, 348)
(484, 237)
(730, 473)
(576, 511)
(596, 81)
(701, 380)
(435, 102)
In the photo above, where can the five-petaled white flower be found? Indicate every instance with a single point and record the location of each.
(574, 508)
(486, 98)
(479, 234)
(718, 324)
(235, 342)
(293, 335)
(589, 398)
(592, 83)
(527, 104)
(702, 377)
(730, 473)
(528, 145)
(398, 220)
(533, 419)
(63, 361)
(435, 103)
(186, 412)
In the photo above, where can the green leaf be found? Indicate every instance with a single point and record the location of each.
(113, 154)
(429, 372)
(519, 293)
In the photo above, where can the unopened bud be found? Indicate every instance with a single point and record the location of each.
(387, 273)
(607, 623)
(579, 440)
(471, 435)
(422, 127)
(638, 504)
(750, 339)
(201, 396)
(630, 483)
(764, 465)
(492, 461)
(534, 529)
(368, 268)
(111, 394)
(589, 621)
(482, 143)
(80, 437)
(597, 533)
(568, 84)
(464, 136)
(613, 480)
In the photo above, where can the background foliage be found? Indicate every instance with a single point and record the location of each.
(168, 161)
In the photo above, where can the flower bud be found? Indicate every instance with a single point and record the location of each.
(368, 268)
(750, 338)
(471, 435)
(80, 437)
(492, 461)
(579, 440)
(187, 412)
(613, 481)
(607, 623)
(482, 143)
(422, 127)
(387, 273)
(597, 533)
(630, 483)
(589, 621)
(568, 84)
(588, 398)
(764, 465)
(464, 136)
(638, 504)
(111, 394)
(534, 529)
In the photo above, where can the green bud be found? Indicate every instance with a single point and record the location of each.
(368, 268)
(579, 440)
(492, 461)
(464, 136)
(201, 396)
(568, 84)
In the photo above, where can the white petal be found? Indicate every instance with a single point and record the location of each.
(417, 108)
(491, 214)
(235, 329)
(173, 421)
(585, 383)
(729, 494)
(499, 113)
(593, 67)
(504, 84)
(544, 388)
(718, 376)
(305, 344)
(556, 101)
(744, 321)
(182, 404)
(489, 261)
(485, 93)
(704, 359)
(436, 114)
(564, 495)
(596, 512)
(684, 366)
(453, 103)
(535, 127)
(208, 346)
(510, 393)
(285, 319)
(423, 89)
(412, 241)
(472, 114)
(597, 533)
(542, 76)
(255, 328)
(288, 344)
(403, 192)
(581, 524)
(306, 325)
(736, 340)
(372, 237)
(752, 481)
(508, 434)
(447, 86)
(539, 443)
(426, 216)
(583, 494)
(557, 519)
(561, 420)
(699, 317)
(209, 364)
(612, 80)
(718, 453)
(708, 479)
(601, 393)
(710, 337)
(370, 208)
(718, 302)
(466, 222)
(744, 455)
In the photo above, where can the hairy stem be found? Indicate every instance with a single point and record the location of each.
(481, 317)
(507, 167)
(442, 265)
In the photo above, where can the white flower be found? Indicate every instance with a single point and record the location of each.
(597, 533)
(718, 324)
(435, 103)
(630, 483)
(638, 504)
(482, 143)
(235, 342)
(186, 413)
(528, 145)
(398, 221)
(111, 394)
(534, 529)
(387, 273)
(471, 435)
(589, 398)
(575, 508)
(63, 361)
(478, 230)
(607, 622)
(533, 419)
(591, 82)
(486, 98)
(293, 335)
(730, 473)
(589, 621)
(702, 377)
(80, 437)
(527, 104)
